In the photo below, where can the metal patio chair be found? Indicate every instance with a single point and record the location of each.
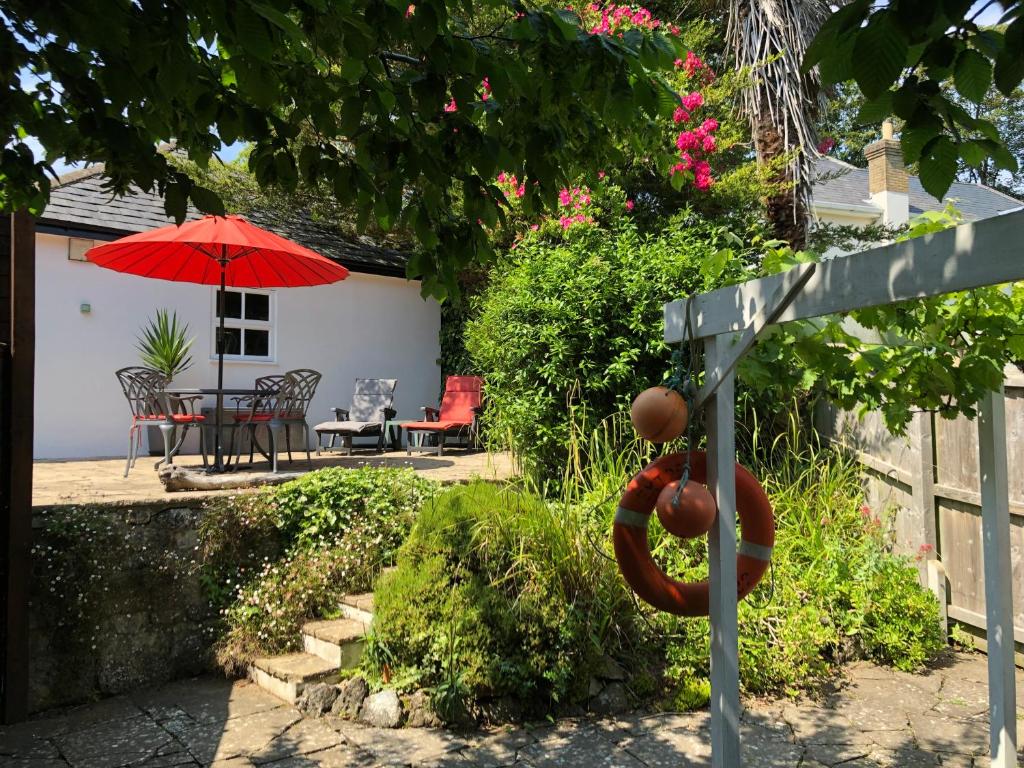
(250, 411)
(151, 406)
(284, 408)
(367, 416)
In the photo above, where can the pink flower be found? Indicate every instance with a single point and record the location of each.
(925, 548)
(709, 125)
(410, 11)
(629, 205)
(709, 144)
(534, 227)
(678, 63)
(520, 190)
(564, 197)
(826, 145)
(451, 106)
(687, 140)
(693, 101)
(600, 174)
(680, 115)
(502, 177)
(674, 29)
(487, 90)
(693, 63)
(865, 510)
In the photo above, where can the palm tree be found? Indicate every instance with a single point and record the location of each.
(770, 37)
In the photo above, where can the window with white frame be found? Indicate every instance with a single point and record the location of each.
(248, 324)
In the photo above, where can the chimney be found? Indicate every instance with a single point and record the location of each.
(887, 177)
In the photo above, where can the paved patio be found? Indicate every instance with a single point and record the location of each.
(101, 480)
(878, 717)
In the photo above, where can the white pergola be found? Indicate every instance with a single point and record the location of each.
(728, 320)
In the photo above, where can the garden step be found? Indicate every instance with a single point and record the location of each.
(358, 607)
(338, 641)
(285, 676)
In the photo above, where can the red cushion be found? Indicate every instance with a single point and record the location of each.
(436, 426)
(185, 418)
(462, 394)
(249, 417)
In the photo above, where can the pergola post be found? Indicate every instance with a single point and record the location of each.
(995, 530)
(725, 683)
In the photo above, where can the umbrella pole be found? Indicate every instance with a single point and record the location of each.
(218, 459)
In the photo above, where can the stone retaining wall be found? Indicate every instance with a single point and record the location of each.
(116, 600)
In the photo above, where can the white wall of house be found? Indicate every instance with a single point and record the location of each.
(365, 326)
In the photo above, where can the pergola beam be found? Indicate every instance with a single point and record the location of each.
(988, 252)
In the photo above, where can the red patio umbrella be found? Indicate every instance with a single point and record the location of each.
(218, 250)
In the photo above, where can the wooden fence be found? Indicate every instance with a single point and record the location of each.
(931, 477)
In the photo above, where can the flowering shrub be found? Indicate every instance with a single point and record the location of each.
(275, 558)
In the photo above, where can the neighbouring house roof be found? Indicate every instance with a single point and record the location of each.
(840, 184)
(80, 207)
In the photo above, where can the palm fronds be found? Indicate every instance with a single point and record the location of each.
(164, 344)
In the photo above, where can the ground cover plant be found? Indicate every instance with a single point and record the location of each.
(276, 558)
(499, 593)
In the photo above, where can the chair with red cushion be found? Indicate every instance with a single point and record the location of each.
(152, 407)
(461, 406)
(283, 405)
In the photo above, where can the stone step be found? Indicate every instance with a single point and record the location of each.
(338, 641)
(358, 607)
(285, 676)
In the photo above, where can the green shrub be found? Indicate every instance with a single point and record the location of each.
(498, 593)
(578, 323)
(276, 558)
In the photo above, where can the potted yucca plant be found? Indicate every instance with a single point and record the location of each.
(164, 345)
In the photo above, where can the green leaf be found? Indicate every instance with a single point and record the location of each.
(875, 110)
(937, 167)
(424, 25)
(879, 55)
(253, 35)
(972, 75)
(175, 203)
(973, 153)
(916, 135)
(1009, 72)
(280, 20)
(206, 200)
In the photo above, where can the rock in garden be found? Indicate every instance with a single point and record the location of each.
(316, 699)
(505, 709)
(351, 694)
(611, 701)
(610, 669)
(594, 688)
(382, 710)
(421, 712)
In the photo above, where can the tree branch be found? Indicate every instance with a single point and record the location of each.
(404, 58)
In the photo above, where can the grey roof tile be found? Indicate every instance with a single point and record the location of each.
(840, 183)
(80, 202)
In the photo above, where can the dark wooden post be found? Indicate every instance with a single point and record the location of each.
(17, 383)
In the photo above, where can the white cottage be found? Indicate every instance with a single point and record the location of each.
(374, 324)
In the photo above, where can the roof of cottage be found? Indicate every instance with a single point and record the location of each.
(838, 183)
(80, 206)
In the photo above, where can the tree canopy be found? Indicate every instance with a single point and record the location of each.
(903, 54)
(408, 111)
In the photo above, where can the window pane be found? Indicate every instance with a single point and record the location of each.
(257, 343)
(257, 306)
(232, 304)
(232, 341)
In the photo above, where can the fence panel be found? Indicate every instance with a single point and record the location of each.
(930, 477)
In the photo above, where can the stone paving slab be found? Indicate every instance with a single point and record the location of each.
(92, 481)
(876, 718)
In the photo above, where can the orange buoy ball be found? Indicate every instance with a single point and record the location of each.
(694, 514)
(659, 414)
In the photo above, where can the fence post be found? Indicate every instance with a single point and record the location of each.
(995, 532)
(720, 418)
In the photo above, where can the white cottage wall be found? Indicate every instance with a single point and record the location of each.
(365, 326)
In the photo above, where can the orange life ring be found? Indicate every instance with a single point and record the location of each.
(633, 552)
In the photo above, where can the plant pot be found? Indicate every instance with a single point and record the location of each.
(155, 441)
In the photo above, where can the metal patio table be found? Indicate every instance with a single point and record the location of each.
(219, 463)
